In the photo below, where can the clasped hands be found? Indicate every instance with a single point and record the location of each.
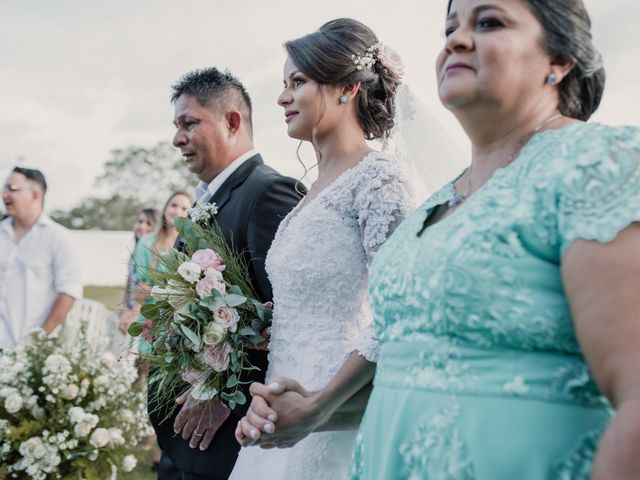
(280, 415)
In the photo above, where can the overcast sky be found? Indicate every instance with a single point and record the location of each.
(80, 78)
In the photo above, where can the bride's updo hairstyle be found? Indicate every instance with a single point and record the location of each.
(567, 38)
(329, 55)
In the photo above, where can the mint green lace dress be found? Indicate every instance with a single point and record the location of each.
(480, 375)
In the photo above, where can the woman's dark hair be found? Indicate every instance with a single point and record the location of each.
(567, 39)
(327, 57)
(151, 214)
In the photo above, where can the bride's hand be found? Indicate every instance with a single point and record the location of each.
(280, 415)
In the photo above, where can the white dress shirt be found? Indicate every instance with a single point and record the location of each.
(204, 190)
(33, 272)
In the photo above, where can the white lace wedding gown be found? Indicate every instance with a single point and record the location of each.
(318, 266)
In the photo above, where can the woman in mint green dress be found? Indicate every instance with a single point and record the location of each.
(507, 306)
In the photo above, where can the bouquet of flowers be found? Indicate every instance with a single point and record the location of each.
(205, 317)
(68, 409)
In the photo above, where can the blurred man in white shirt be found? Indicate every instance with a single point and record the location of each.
(39, 271)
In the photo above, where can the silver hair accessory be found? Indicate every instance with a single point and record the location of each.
(551, 79)
(343, 99)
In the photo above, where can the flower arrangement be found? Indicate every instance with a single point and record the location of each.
(203, 319)
(68, 409)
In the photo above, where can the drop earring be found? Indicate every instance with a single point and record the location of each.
(343, 99)
(551, 79)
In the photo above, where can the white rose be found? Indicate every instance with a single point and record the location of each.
(129, 463)
(99, 438)
(69, 392)
(101, 381)
(82, 429)
(7, 391)
(109, 360)
(127, 416)
(115, 436)
(214, 334)
(33, 448)
(13, 403)
(190, 271)
(37, 412)
(76, 414)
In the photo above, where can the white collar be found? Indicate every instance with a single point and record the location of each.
(204, 191)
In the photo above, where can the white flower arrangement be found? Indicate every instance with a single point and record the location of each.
(202, 213)
(67, 409)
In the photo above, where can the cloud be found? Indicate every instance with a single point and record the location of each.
(81, 78)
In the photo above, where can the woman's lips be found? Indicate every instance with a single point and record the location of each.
(289, 115)
(457, 67)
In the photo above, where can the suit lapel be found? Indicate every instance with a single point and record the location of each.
(223, 194)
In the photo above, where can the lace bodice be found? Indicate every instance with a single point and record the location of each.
(318, 265)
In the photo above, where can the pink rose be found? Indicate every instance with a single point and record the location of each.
(191, 376)
(217, 357)
(391, 60)
(208, 259)
(227, 317)
(210, 281)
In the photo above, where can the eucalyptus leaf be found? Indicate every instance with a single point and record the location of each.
(191, 335)
(234, 300)
(232, 381)
(144, 347)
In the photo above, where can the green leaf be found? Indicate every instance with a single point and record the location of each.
(234, 300)
(247, 332)
(239, 397)
(213, 302)
(135, 329)
(168, 358)
(232, 381)
(144, 347)
(191, 335)
(232, 404)
(150, 311)
(235, 290)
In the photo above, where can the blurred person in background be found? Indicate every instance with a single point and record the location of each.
(145, 223)
(39, 269)
(150, 246)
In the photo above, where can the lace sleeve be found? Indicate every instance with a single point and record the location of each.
(600, 195)
(384, 200)
(382, 203)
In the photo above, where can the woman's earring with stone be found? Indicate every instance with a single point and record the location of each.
(551, 79)
(343, 99)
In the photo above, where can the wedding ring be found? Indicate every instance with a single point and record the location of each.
(198, 434)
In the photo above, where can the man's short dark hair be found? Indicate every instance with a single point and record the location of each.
(34, 175)
(211, 85)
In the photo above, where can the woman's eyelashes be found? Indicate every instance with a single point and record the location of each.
(483, 23)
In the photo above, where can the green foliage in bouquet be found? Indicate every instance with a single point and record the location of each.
(68, 408)
(203, 320)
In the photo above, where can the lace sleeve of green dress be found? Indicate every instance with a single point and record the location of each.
(599, 194)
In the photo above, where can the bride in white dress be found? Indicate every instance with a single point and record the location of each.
(339, 87)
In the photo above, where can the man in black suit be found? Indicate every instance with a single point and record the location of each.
(214, 134)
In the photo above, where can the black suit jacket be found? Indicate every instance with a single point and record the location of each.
(251, 204)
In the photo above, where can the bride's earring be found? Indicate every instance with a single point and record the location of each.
(343, 99)
(551, 79)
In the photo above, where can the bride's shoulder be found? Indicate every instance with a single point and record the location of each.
(380, 166)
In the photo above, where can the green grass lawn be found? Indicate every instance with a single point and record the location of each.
(109, 296)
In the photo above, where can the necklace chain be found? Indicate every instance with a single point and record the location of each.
(460, 197)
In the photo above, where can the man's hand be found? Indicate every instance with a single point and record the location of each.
(199, 420)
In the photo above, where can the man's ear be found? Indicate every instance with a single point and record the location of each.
(234, 121)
